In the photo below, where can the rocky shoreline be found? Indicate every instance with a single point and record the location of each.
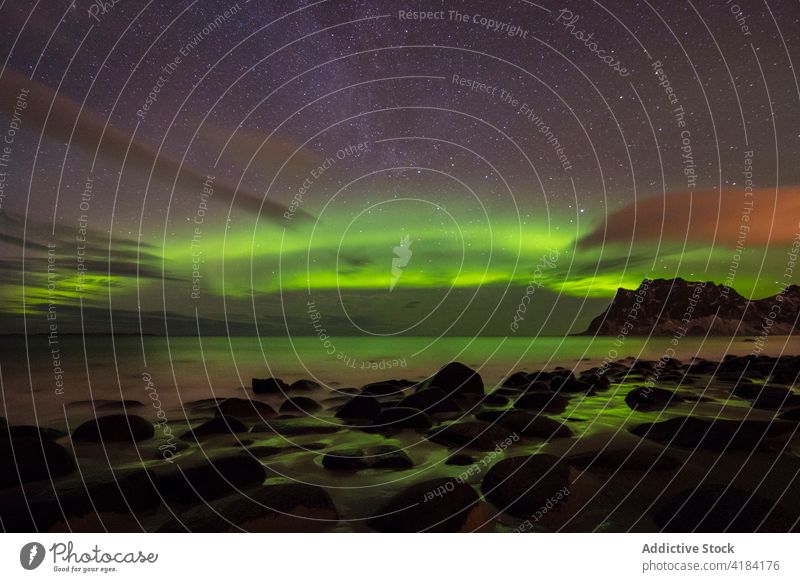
(629, 446)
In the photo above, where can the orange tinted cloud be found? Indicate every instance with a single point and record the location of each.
(761, 216)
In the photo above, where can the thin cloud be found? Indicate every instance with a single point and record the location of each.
(56, 114)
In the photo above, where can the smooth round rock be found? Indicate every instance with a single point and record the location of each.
(645, 398)
(299, 405)
(365, 408)
(345, 460)
(207, 480)
(215, 426)
(389, 457)
(244, 408)
(30, 459)
(398, 418)
(542, 401)
(269, 386)
(457, 380)
(523, 485)
(114, 428)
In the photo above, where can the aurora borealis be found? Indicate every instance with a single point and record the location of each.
(282, 150)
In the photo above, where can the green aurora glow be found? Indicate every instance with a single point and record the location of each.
(351, 252)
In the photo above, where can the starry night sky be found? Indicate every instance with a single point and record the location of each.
(215, 161)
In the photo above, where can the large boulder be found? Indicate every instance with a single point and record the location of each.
(647, 398)
(520, 382)
(517, 380)
(299, 405)
(389, 457)
(25, 459)
(594, 381)
(192, 479)
(460, 460)
(388, 388)
(495, 400)
(304, 385)
(567, 384)
(31, 431)
(345, 460)
(269, 386)
(438, 505)
(792, 415)
(47, 502)
(364, 408)
(215, 426)
(542, 401)
(114, 428)
(457, 380)
(523, 485)
(244, 408)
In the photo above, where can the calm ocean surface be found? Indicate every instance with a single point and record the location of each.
(185, 369)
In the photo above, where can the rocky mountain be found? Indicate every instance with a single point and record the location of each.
(677, 307)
